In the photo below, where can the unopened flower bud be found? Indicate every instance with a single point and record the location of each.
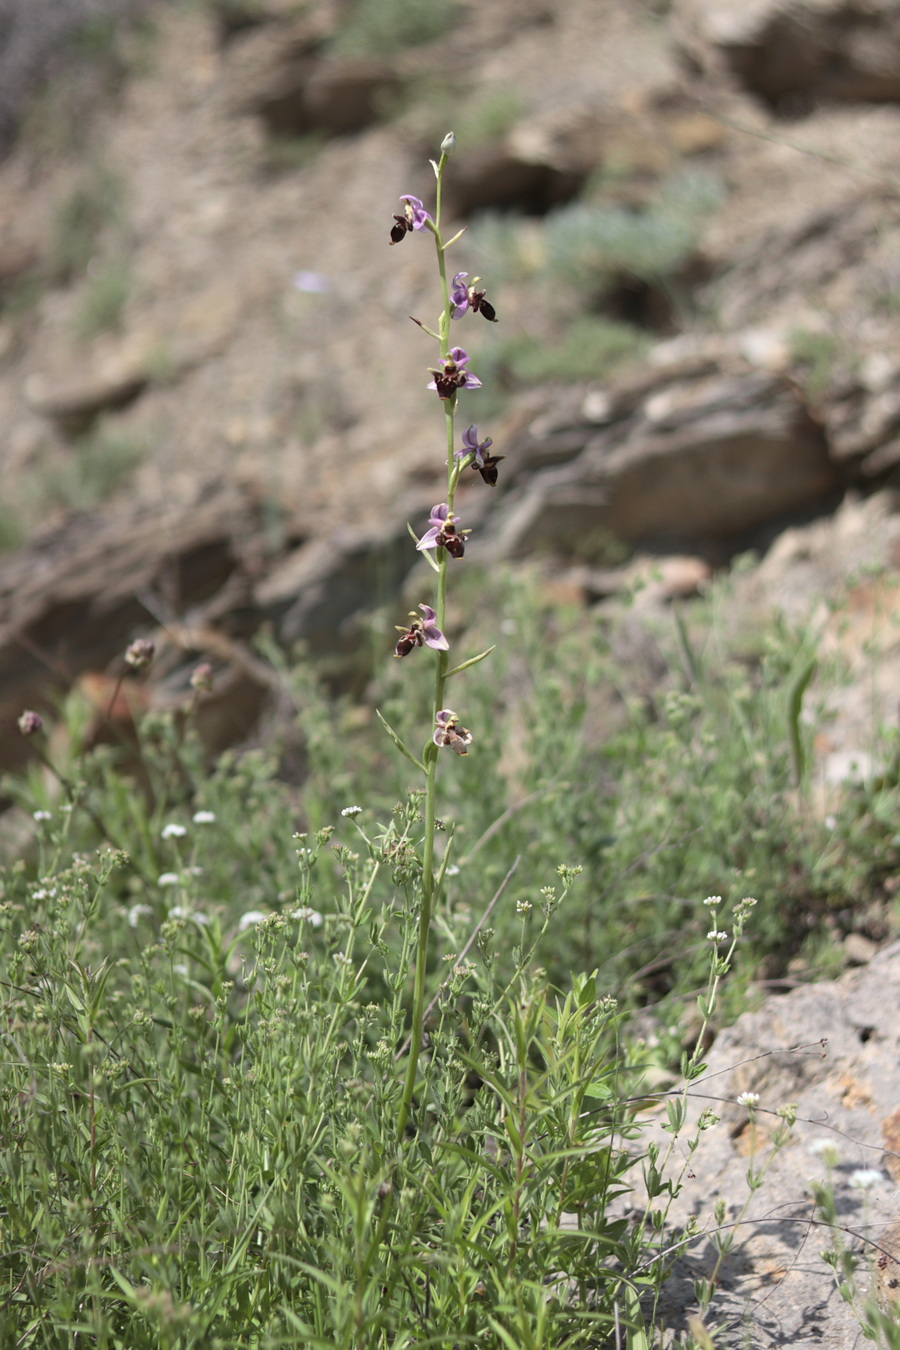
(139, 653)
(448, 144)
(30, 723)
(202, 680)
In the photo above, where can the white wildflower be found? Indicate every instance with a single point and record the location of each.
(308, 915)
(748, 1099)
(168, 879)
(351, 811)
(523, 907)
(715, 935)
(252, 917)
(41, 815)
(452, 871)
(204, 817)
(173, 831)
(824, 1148)
(865, 1178)
(712, 900)
(138, 912)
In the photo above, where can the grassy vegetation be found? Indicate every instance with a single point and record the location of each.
(77, 478)
(207, 986)
(103, 302)
(90, 211)
(381, 27)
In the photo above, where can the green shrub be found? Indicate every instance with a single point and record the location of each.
(96, 465)
(381, 27)
(102, 305)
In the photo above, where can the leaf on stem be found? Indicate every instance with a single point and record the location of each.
(472, 661)
(425, 329)
(459, 234)
(427, 556)
(404, 750)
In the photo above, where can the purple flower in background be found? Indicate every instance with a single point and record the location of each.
(464, 297)
(422, 632)
(447, 731)
(442, 532)
(30, 723)
(451, 375)
(484, 463)
(414, 217)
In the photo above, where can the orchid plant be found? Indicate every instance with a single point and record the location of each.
(442, 542)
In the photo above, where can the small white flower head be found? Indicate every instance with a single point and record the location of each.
(41, 815)
(204, 817)
(830, 822)
(250, 919)
(716, 935)
(179, 912)
(712, 901)
(342, 959)
(748, 1099)
(825, 1149)
(308, 915)
(523, 907)
(865, 1178)
(352, 811)
(138, 912)
(173, 831)
(168, 879)
(180, 969)
(452, 871)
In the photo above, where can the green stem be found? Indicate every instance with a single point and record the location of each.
(431, 753)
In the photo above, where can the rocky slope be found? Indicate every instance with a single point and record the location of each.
(201, 319)
(195, 278)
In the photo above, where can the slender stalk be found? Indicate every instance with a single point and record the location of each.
(430, 755)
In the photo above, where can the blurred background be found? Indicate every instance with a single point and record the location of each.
(213, 406)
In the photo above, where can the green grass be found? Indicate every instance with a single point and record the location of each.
(92, 207)
(589, 245)
(96, 465)
(102, 305)
(382, 27)
(78, 478)
(207, 988)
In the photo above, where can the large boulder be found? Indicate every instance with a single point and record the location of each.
(790, 50)
(833, 1051)
(700, 458)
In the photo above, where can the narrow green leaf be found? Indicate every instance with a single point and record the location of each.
(426, 553)
(472, 661)
(795, 707)
(399, 744)
(635, 1334)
